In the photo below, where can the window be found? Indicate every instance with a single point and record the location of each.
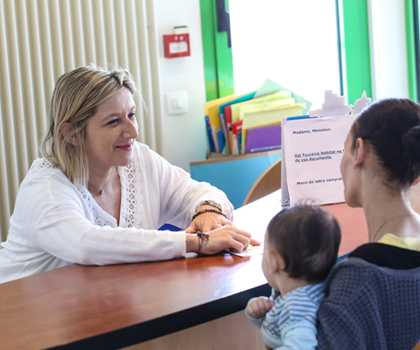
(293, 43)
(305, 45)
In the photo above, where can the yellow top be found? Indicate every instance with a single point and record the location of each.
(412, 243)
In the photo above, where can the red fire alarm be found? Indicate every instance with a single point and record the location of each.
(177, 45)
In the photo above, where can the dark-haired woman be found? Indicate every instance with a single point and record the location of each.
(373, 297)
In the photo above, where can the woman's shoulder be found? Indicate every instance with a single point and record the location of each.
(350, 278)
(43, 168)
(387, 255)
(44, 188)
(43, 164)
(412, 242)
(364, 293)
(44, 175)
(352, 271)
(359, 266)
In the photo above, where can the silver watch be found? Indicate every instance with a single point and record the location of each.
(211, 203)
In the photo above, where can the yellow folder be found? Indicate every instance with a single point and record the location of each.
(269, 117)
(280, 95)
(260, 107)
(211, 108)
(219, 101)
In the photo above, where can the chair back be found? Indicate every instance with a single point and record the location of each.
(268, 182)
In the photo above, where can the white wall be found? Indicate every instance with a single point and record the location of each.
(388, 49)
(184, 135)
(185, 138)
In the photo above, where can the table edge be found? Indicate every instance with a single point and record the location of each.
(172, 323)
(168, 324)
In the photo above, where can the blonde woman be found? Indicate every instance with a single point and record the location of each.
(97, 196)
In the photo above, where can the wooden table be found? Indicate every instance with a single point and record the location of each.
(109, 307)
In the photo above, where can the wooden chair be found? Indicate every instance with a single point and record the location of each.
(268, 182)
(417, 346)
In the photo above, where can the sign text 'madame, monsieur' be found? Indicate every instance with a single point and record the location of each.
(312, 153)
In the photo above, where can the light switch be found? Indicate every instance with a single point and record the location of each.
(177, 102)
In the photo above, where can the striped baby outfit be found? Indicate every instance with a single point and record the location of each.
(291, 322)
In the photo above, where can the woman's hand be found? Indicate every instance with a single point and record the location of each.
(227, 237)
(258, 307)
(207, 222)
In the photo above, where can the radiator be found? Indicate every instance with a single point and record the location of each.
(42, 39)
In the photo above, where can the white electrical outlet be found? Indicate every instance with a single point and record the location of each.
(177, 102)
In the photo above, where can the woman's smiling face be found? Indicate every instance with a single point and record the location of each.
(111, 131)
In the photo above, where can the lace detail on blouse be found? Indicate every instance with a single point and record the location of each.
(132, 198)
(93, 208)
(41, 164)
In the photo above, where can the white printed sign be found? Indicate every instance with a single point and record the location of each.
(312, 151)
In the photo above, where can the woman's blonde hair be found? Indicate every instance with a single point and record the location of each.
(76, 96)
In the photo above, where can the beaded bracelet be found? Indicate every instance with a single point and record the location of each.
(211, 203)
(202, 236)
(207, 211)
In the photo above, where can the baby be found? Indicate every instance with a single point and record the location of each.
(300, 248)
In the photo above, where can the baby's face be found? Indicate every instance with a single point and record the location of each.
(273, 268)
(268, 270)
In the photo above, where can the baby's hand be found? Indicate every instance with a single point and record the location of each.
(258, 307)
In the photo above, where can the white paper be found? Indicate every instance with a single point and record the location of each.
(314, 150)
(254, 218)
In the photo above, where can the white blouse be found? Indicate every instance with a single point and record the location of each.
(56, 224)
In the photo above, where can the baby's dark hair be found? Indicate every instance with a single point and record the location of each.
(307, 238)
